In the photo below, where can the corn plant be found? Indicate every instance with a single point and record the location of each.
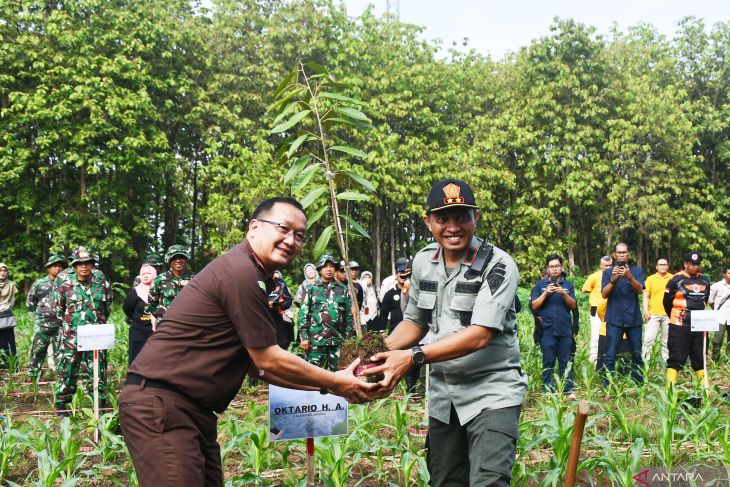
(12, 443)
(57, 453)
(554, 430)
(336, 460)
(618, 468)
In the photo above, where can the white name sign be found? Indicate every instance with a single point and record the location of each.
(95, 337)
(305, 414)
(705, 320)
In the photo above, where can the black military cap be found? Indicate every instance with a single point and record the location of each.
(448, 193)
(693, 257)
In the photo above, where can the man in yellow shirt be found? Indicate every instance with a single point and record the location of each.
(654, 314)
(592, 286)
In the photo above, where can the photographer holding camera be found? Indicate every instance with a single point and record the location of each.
(552, 300)
(621, 286)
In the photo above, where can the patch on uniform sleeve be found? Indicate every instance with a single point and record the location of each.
(496, 276)
(429, 286)
(468, 287)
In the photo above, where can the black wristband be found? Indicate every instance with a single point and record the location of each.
(323, 391)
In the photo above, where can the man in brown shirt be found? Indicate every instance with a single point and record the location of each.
(218, 329)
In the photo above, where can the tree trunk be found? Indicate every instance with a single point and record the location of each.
(391, 234)
(378, 244)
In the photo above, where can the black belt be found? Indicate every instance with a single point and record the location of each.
(135, 379)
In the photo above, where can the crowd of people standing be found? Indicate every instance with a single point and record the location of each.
(620, 323)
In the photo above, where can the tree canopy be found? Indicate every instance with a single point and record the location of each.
(130, 125)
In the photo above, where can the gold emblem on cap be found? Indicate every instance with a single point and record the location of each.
(453, 194)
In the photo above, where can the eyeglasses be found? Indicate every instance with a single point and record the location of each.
(286, 230)
(556, 266)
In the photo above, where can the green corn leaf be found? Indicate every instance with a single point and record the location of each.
(296, 168)
(323, 241)
(314, 218)
(352, 113)
(356, 226)
(304, 178)
(295, 145)
(336, 96)
(352, 196)
(349, 150)
(359, 180)
(291, 122)
(312, 196)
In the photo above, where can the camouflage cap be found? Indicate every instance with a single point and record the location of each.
(154, 260)
(174, 250)
(323, 259)
(56, 258)
(82, 254)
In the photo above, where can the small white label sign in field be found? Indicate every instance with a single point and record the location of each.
(95, 337)
(704, 320)
(305, 414)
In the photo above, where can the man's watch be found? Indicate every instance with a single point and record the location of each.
(418, 357)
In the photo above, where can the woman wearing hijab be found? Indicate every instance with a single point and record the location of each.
(142, 324)
(371, 306)
(8, 291)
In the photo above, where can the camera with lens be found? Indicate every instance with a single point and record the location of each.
(621, 263)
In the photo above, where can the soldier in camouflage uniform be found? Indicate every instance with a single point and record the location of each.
(168, 285)
(82, 296)
(325, 318)
(46, 324)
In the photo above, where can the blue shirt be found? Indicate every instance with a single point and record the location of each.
(554, 313)
(623, 303)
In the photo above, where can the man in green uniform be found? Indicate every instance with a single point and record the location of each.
(168, 285)
(40, 305)
(82, 296)
(463, 291)
(325, 320)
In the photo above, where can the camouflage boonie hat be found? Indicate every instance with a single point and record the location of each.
(323, 259)
(82, 254)
(174, 250)
(154, 260)
(55, 258)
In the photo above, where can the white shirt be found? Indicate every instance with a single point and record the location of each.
(387, 284)
(719, 292)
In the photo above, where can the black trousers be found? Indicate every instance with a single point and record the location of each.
(7, 346)
(136, 342)
(683, 342)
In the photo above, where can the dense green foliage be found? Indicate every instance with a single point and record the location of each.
(130, 125)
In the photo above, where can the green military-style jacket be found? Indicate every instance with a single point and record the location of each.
(164, 290)
(78, 303)
(490, 378)
(40, 302)
(325, 317)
